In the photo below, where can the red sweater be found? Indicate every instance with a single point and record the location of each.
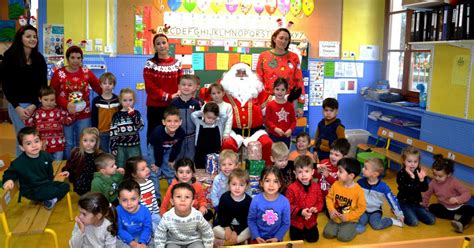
(281, 116)
(161, 80)
(49, 124)
(65, 83)
(200, 198)
(326, 182)
(271, 66)
(300, 199)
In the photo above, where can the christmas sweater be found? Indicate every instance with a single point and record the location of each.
(280, 115)
(124, 130)
(271, 66)
(301, 197)
(49, 123)
(347, 201)
(74, 87)
(161, 80)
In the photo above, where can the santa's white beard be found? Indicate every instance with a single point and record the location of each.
(243, 89)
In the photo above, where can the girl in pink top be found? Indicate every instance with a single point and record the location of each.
(452, 195)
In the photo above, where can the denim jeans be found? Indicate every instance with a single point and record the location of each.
(104, 142)
(72, 133)
(17, 122)
(163, 169)
(375, 219)
(415, 212)
(57, 155)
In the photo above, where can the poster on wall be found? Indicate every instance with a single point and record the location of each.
(53, 40)
(7, 30)
(316, 83)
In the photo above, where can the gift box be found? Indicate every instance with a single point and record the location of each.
(254, 185)
(212, 164)
(254, 167)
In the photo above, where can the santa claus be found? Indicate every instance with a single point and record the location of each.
(244, 91)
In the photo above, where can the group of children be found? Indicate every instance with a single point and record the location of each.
(107, 170)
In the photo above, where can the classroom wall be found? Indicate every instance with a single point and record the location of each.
(362, 24)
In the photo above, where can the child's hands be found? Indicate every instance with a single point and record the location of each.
(227, 233)
(64, 174)
(71, 108)
(260, 240)
(343, 217)
(203, 210)
(421, 174)
(410, 173)
(306, 213)
(288, 133)
(233, 238)
(171, 164)
(121, 170)
(272, 240)
(175, 94)
(154, 168)
(334, 214)
(81, 225)
(453, 200)
(8, 185)
(279, 131)
(313, 210)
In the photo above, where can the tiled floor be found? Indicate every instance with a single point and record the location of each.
(60, 220)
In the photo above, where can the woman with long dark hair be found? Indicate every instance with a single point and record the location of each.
(24, 73)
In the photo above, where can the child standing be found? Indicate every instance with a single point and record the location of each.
(80, 167)
(269, 212)
(280, 160)
(103, 108)
(306, 201)
(49, 120)
(96, 225)
(452, 195)
(375, 190)
(34, 169)
(183, 225)
(165, 145)
(136, 169)
(126, 123)
(280, 118)
(185, 174)
(303, 142)
(327, 169)
(225, 109)
(329, 129)
(232, 226)
(107, 178)
(411, 182)
(345, 202)
(228, 160)
(187, 104)
(209, 130)
(134, 219)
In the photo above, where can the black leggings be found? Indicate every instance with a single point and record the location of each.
(464, 212)
(311, 235)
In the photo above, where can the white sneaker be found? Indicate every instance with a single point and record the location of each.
(396, 222)
(49, 204)
(458, 227)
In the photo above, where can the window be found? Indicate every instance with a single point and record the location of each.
(405, 67)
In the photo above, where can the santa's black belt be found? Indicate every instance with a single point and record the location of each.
(247, 132)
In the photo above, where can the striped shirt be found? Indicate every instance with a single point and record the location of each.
(148, 197)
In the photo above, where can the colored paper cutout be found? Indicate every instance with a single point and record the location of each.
(223, 61)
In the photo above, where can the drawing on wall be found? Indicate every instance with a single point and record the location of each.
(7, 30)
(16, 8)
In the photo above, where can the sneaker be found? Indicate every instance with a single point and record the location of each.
(396, 222)
(458, 227)
(49, 204)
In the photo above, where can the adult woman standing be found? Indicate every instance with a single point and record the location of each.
(71, 84)
(161, 75)
(279, 62)
(24, 73)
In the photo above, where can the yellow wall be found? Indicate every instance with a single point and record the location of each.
(362, 24)
(72, 13)
(449, 76)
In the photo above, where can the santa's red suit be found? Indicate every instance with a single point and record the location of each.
(248, 99)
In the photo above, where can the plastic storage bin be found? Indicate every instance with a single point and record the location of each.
(355, 137)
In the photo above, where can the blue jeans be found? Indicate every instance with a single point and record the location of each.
(104, 142)
(57, 155)
(164, 170)
(17, 122)
(415, 212)
(72, 133)
(375, 220)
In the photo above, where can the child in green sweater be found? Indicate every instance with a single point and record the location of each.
(34, 169)
(107, 178)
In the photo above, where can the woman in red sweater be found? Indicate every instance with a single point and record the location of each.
(161, 75)
(71, 84)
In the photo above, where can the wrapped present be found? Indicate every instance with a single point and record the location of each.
(206, 183)
(254, 185)
(212, 164)
(254, 150)
(254, 167)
